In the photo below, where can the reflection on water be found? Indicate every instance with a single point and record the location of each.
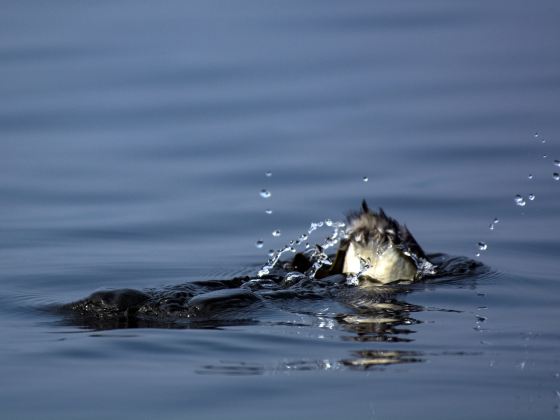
(366, 359)
(371, 358)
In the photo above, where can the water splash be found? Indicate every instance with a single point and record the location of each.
(519, 200)
(320, 259)
(338, 232)
(423, 266)
(354, 279)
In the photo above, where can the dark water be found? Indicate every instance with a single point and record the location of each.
(134, 141)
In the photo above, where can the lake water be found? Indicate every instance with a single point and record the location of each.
(134, 141)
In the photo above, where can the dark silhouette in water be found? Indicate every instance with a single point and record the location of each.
(376, 311)
(213, 303)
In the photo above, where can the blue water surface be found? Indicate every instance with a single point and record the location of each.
(134, 141)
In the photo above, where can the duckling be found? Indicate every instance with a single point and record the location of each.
(379, 249)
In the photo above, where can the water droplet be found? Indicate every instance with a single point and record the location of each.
(276, 233)
(496, 220)
(265, 194)
(544, 156)
(259, 244)
(268, 211)
(328, 222)
(268, 174)
(478, 254)
(271, 253)
(491, 226)
(530, 176)
(536, 135)
(531, 197)
(303, 237)
(365, 178)
(556, 176)
(519, 201)
(543, 141)
(294, 276)
(557, 163)
(482, 246)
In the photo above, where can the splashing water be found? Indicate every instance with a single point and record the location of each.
(319, 258)
(423, 266)
(265, 193)
(519, 200)
(354, 279)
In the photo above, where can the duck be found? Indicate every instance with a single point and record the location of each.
(377, 249)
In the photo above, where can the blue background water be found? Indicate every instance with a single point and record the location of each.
(134, 139)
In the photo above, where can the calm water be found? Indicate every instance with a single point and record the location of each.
(134, 141)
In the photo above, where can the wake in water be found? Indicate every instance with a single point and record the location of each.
(245, 300)
(390, 262)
